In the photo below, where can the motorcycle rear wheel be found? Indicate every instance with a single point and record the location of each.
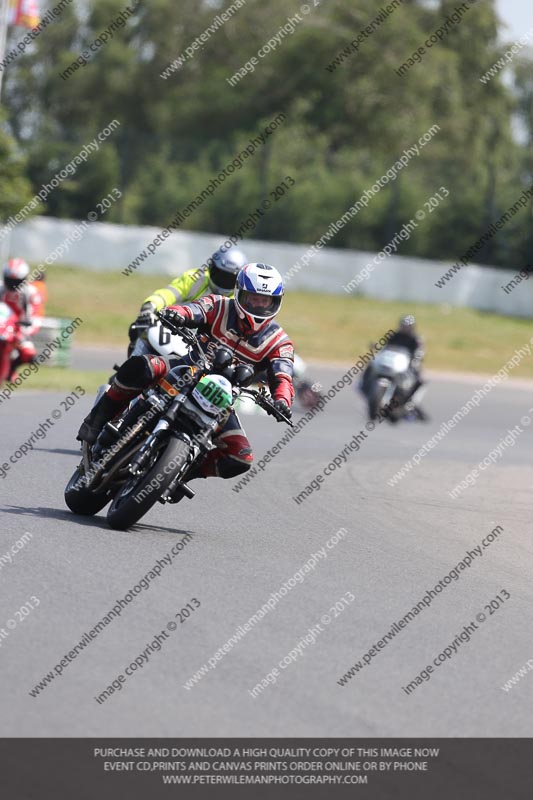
(126, 508)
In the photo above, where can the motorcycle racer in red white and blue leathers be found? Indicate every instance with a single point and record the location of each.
(246, 325)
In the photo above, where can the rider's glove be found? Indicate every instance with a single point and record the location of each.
(25, 323)
(146, 316)
(145, 319)
(283, 407)
(174, 316)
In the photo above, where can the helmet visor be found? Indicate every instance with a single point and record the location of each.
(223, 278)
(259, 305)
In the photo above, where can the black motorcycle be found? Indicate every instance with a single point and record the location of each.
(148, 452)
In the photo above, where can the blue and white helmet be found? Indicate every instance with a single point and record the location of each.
(258, 295)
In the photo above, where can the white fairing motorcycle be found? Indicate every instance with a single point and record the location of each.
(388, 386)
(154, 339)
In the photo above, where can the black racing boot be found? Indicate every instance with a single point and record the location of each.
(104, 410)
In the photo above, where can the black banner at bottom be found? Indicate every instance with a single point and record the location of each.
(149, 769)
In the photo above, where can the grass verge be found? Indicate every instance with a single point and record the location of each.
(324, 327)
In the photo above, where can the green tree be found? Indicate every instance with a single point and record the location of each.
(344, 127)
(16, 188)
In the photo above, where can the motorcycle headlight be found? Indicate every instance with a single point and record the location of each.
(222, 359)
(244, 375)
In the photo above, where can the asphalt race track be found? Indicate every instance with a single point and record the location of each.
(400, 541)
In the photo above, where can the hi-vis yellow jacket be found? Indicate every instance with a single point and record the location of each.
(187, 287)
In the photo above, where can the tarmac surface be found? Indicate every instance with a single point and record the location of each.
(354, 536)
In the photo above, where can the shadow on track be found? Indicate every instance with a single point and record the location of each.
(91, 522)
(62, 451)
(53, 513)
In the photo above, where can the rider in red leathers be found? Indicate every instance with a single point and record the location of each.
(26, 303)
(246, 326)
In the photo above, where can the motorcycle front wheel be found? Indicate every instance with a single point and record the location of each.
(141, 492)
(375, 396)
(81, 500)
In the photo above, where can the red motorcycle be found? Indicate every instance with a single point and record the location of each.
(8, 340)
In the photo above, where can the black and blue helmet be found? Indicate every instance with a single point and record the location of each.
(223, 268)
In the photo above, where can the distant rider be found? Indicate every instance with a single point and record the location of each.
(247, 326)
(405, 337)
(26, 303)
(217, 277)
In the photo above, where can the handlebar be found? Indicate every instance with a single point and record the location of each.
(176, 329)
(265, 402)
